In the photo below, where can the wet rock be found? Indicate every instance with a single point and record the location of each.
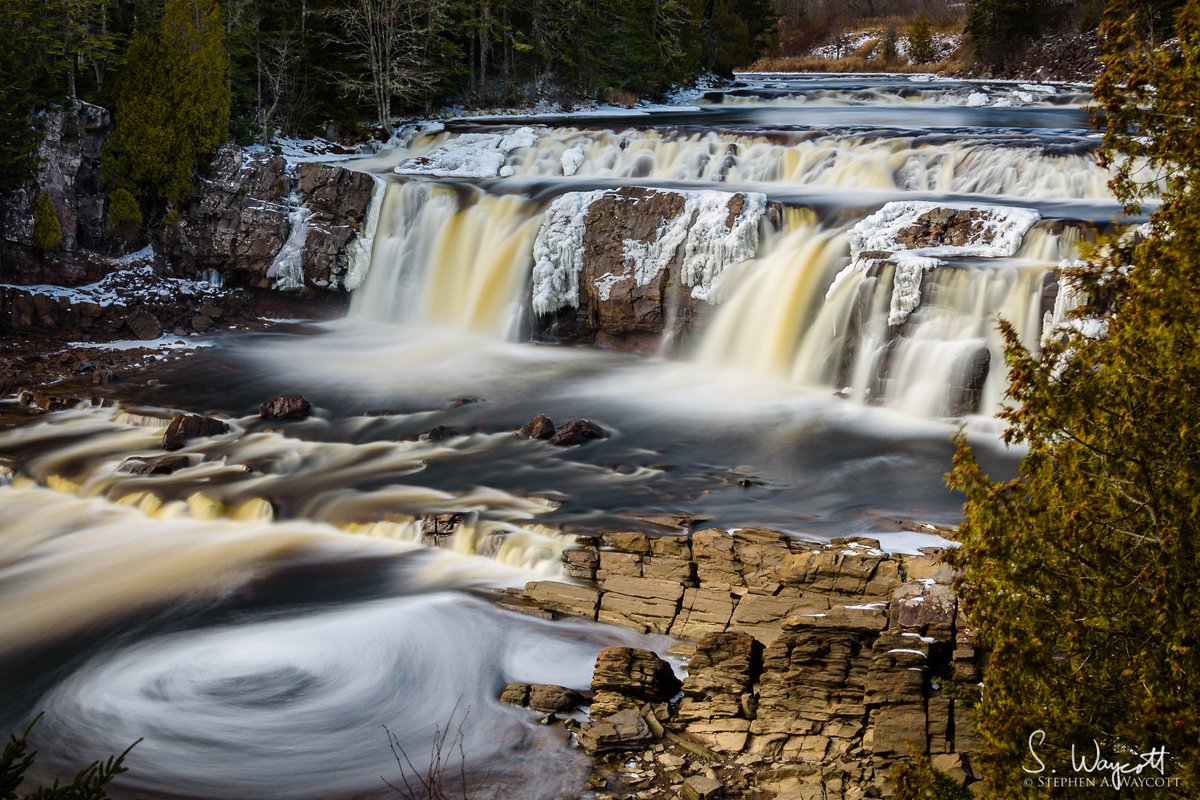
(577, 432)
(623, 730)
(540, 427)
(515, 694)
(162, 465)
(191, 426)
(580, 563)
(441, 433)
(285, 406)
(553, 699)
(144, 325)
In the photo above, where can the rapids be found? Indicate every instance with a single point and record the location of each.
(259, 616)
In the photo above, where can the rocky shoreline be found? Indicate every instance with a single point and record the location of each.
(813, 668)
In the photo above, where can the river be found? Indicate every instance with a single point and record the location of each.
(258, 618)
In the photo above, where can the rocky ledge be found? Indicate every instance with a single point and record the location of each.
(814, 668)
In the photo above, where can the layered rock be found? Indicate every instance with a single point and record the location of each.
(817, 665)
(620, 268)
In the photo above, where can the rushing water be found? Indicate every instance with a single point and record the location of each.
(261, 615)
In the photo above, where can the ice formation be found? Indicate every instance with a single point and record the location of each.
(288, 267)
(471, 155)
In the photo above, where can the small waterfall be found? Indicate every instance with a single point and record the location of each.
(792, 314)
(908, 163)
(451, 259)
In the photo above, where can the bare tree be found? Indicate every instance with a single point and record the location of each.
(390, 38)
(435, 781)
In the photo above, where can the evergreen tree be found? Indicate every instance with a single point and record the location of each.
(1081, 573)
(173, 106)
(47, 228)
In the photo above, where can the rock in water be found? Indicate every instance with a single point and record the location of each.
(577, 431)
(285, 406)
(626, 677)
(624, 730)
(553, 699)
(515, 694)
(191, 426)
(163, 465)
(540, 427)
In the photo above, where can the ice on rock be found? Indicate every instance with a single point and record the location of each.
(712, 246)
(471, 155)
(288, 267)
(558, 252)
(572, 160)
(358, 261)
(977, 100)
(709, 246)
(997, 233)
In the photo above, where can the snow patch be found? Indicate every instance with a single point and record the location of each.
(471, 155)
(997, 233)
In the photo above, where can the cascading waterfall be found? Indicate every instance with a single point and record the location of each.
(447, 259)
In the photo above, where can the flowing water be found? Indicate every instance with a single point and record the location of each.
(260, 616)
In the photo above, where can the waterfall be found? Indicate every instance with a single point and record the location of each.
(449, 259)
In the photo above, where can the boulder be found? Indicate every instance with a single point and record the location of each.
(285, 406)
(162, 465)
(515, 694)
(634, 673)
(576, 432)
(553, 699)
(144, 325)
(190, 426)
(540, 427)
(701, 787)
(624, 730)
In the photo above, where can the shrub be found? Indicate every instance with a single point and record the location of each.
(88, 784)
(921, 47)
(47, 229)
(124, 214)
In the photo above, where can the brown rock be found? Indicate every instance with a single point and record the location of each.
(190, 426)
(578, 600)
(701, 787)
(577, 432)
(624, 730)
(285, 406)
(162, 465)
(634, 673)
(144, 325)
(515, 694)
(540, 427)
(553, 699)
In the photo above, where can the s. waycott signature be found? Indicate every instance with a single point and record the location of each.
(1092, 768)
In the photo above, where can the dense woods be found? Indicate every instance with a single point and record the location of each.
(187, 74)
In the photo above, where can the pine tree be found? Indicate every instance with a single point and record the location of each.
(1081, 573)
(47, 228)
(173, 105)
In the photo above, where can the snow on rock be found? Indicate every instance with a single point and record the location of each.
(712, 245)
(714, 229)
(572, 160)
(288, 267)
(915, 236)
(977, 100)
(471, 155)
(123, 288)
(558, 252)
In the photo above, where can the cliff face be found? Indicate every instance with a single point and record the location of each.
(255, 222)
(69, 155)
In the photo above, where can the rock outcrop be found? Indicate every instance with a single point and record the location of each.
(621, 268)
(817, 666)
(261, 225)
(69, 172)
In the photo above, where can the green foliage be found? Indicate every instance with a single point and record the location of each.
(172, 219)
(173, 104)
(918, 779)
(1001, 29)
(124, 214)
(921, 46)
(1081, 573)
(88, 784)
(47, 229)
